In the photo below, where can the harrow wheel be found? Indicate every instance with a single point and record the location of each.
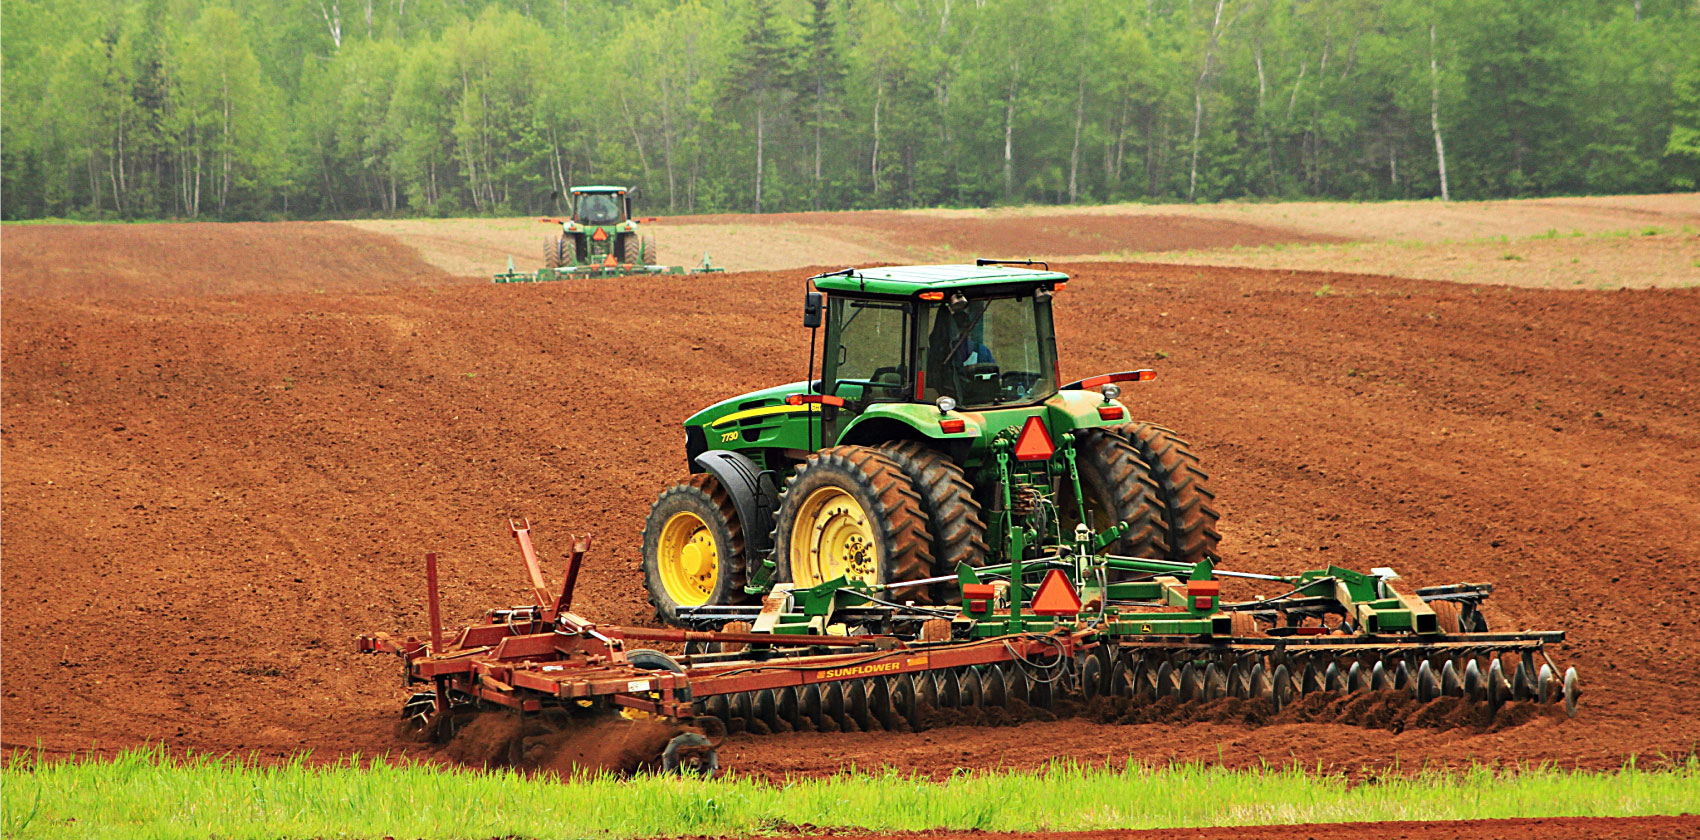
(1188, 518)
(690, 754)
(693, 548)
(851, 512)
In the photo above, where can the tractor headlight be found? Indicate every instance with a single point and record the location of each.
(946, 405)
(1111, 391)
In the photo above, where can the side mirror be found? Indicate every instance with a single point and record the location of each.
(811, 309)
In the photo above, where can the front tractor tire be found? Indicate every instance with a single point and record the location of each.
(850, 511)
(1119, 488)
(693, 548)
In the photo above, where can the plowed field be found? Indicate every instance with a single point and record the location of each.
(208, 492)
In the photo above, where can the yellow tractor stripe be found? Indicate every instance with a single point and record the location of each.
(763, 412)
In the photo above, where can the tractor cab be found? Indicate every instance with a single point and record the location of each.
(596, 206)
(940, 335)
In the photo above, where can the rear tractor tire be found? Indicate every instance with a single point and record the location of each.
(554, 252)
(631, 250)
(693, 548)
(850, 511)
(1188, 516)
(953, 517)
(1119, 488)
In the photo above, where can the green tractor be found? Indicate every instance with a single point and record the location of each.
(886, 470)
(601, 232)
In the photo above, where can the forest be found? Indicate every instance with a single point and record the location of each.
(271, 109)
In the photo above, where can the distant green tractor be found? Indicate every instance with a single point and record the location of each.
(601, 232)
(885, 470)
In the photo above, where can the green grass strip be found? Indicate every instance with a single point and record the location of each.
(149, 794)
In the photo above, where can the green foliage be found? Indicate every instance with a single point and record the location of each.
(240, 109)
(147, 794)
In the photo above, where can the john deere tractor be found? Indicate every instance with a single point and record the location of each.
(888, 468)
(602, 231)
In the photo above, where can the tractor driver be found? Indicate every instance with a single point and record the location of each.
(959, 360)
(597, 209)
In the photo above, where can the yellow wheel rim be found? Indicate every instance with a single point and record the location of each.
(832, 538)
(689, 560)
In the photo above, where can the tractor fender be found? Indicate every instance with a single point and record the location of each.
(754, 495)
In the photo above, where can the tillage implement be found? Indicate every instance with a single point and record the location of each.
(600, 239)
(938, 521)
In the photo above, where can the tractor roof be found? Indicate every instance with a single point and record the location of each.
(599, 188)
(906, 280)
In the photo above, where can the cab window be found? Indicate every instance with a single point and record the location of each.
(868, 350)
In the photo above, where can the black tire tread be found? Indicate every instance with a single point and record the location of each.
(708, 489)
(1110, 466)
(1189, 517)
(959, 532)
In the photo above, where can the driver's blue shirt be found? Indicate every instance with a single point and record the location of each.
(974, 354)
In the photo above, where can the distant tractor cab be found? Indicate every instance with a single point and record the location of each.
(893, 468)
(601, 231)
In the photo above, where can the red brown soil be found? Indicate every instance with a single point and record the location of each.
(1073, 234)
(207, 497)
(197, 258)
(1561, 828)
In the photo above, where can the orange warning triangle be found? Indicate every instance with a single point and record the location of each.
(1056, 595)
(1034, 444)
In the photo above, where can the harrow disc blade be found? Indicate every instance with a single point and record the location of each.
(764, 706)
(926, 690)
(1014, 682)
(1451, 684)
(809, 706)
(1428, 687)
(1311, 680)
(1334, 679)
(856, 704)
(1474, 684)
(901, 691)
(832, 704)
(1572, 691)
(1121, 678)
(1379, 679)
(718, 707)
(1091, 677)
(1040, 692)
(880, 713)
(1282, 691)
(1357, 679)
(1262, 686)
(1523, 683)
(1550, 688)
(992, 684)
(949, 689)
(1168, 685)
(1192, 683)
(1215, 682)
(970, 688)
(1498, 688)
(741, 711)
(1143, 681)
(1238, 686)
(785, 706)
(1403, 679)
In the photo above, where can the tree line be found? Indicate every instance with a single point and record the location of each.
(240, 109)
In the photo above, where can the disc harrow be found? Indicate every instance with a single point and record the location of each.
(847, 657)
